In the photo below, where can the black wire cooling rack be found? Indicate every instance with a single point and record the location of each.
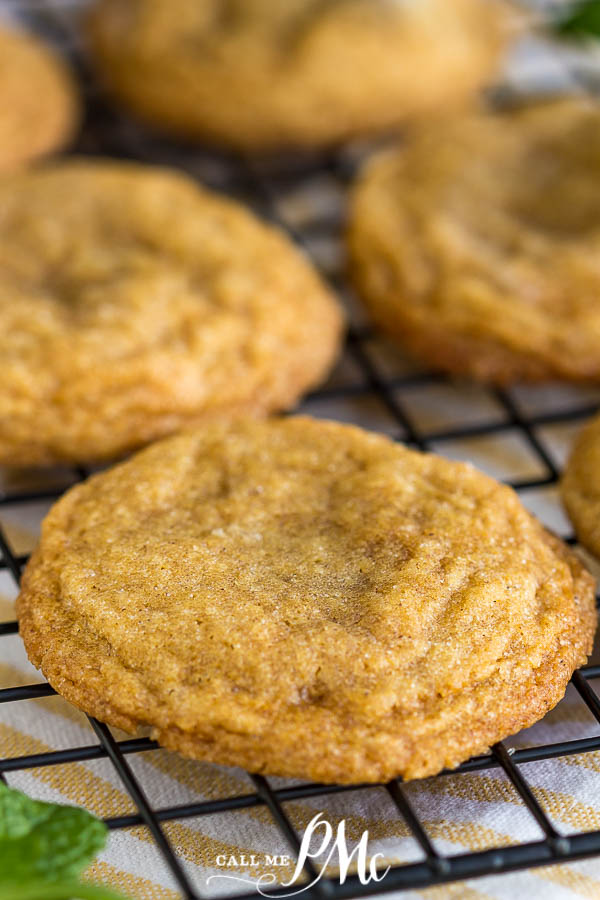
(263, 184)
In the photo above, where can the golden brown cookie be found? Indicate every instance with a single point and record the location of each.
(476, 244)
(39, 105)
(581, 486)
(133, 301)
(305, 598)
(258, 75)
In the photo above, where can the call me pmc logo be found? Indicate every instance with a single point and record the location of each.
(329, 847)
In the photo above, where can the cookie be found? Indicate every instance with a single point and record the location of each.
(260, 75)
(476, 244)
(580, 486)
(133, 302)
(305, 598)
(39, 105)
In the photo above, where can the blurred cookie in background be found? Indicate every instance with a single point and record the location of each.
(581, 486)
(262, 75)
(134, 302)
(477, 243)
(39, 103)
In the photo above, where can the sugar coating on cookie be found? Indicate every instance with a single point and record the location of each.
(580, 486)
(133, 301)
(39, 105)
(259, 75)
(476, 243)
(305, 598)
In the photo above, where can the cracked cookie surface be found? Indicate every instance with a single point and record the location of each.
(133, 302)
(476, 244)
(259, 75)
(305, 598)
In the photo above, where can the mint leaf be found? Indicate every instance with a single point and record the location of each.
(44, 847)
(44, 840)
(583, 21)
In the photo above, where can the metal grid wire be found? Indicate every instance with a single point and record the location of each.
(268, 189)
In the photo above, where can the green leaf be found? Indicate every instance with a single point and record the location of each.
(44, 840)
(44, 847)
(582, 21)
